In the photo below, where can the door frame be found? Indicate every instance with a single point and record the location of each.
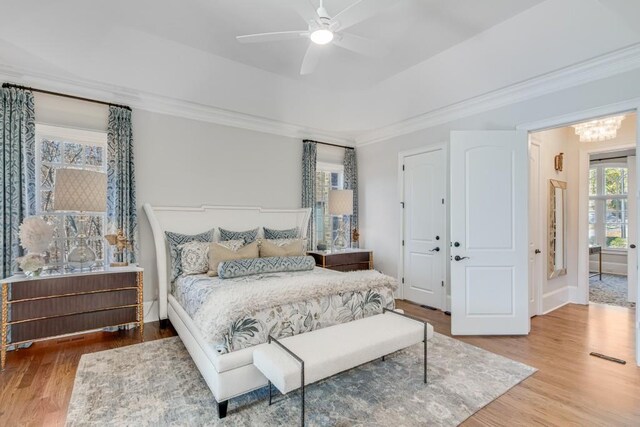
(628, 106)
(444, 147)
(582, 292)
(541, 234)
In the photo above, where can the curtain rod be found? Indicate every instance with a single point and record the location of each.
(329, 144)
(64, 95)
(608, 158)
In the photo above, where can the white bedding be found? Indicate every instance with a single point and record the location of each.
(237, 313)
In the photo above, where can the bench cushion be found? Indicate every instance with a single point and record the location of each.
(338, 348)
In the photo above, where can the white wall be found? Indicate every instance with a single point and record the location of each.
(378, 171)
(556, 291)
(182, 162)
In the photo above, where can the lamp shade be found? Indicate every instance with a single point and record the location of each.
(341, 202)
(80, 190)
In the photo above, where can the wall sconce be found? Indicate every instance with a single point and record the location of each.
(557, 162)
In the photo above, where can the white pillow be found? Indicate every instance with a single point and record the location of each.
(194, 257)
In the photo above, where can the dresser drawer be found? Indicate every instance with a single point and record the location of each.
(36, 329)
(71, 285)
(350, 267)
(58, 306)
(346, 258)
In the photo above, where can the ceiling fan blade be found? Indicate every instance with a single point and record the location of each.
(270, 37)
(359, 11)
(305, 9)
(360, 45)
(311, 59)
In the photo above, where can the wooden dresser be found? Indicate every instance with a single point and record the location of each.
(344, 260)
(38, 308)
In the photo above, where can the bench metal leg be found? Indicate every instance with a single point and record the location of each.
(272, 339)
(425, 353)
(387, 310)
(302, 394)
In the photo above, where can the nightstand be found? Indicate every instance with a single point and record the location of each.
(50, 305)
(344, 260)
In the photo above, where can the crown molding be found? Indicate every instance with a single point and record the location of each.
(601, 67)
(166, 105)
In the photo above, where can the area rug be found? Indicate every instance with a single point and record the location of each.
(612, 290)
(157, 384)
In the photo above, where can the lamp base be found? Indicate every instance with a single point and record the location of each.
(340, 242)
(81, 256)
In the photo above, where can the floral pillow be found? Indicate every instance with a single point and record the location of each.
(248, 236)
(177, 239)
(270, 233)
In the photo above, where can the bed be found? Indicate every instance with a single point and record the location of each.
(222, 321)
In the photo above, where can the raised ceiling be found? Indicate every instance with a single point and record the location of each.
(441, 52)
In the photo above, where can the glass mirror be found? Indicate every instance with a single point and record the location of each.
(557, 259)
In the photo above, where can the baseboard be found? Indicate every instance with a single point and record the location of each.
(556, 299)
(150, 311)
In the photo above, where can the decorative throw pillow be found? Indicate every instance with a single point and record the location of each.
(268, 248)
(233, 245)
(270, 233)
(219, 253)
(176, 239)
(248, 236)
(194, 257)
(246, 267)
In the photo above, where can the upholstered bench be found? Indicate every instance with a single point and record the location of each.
(299, 360)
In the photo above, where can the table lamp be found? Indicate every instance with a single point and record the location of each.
(80, 191)
(340, 204)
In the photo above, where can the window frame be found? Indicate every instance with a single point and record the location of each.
(601, 198)
(85, 138)
(328, 167)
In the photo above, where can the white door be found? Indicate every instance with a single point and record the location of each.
(632, 255)
(489, 233)
(535, 239)
(424, 228)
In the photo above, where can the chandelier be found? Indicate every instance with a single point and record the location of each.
(599, 130)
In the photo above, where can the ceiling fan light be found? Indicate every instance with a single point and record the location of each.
(321, 36)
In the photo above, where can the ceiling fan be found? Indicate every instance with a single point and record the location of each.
(324, 29)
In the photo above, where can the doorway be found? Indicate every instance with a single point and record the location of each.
(591, 256)
(424, 243)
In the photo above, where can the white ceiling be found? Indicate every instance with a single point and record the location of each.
(441, 52)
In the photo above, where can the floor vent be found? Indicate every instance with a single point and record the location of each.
(609, 358)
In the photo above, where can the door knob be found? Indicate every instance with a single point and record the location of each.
(632, 246)
(456, 244)
(460, 258)
(436, 249)
(537, 251)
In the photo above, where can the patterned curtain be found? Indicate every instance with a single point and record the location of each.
(18, 176)
(351, 183)
(121, 184)
(309, 156)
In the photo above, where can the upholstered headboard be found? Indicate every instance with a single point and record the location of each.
(194, 220)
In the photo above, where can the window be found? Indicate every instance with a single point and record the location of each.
(328, 177)
(608, 221)
(58, 147)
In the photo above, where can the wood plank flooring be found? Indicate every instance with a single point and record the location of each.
(570, 388)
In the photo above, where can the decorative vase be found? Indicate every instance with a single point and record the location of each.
(35, 273)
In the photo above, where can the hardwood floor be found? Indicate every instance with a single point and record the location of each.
(570, 388)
